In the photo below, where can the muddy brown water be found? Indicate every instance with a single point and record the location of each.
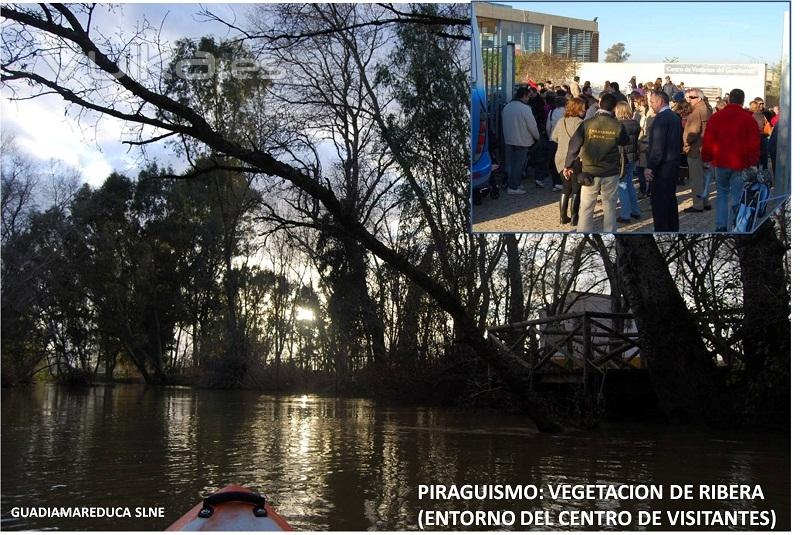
(342, 464)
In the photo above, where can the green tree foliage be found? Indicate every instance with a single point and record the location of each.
(64, 310)
(117, 271)
(223, 82)
(775, 72)
(131, 267)
(616, 53)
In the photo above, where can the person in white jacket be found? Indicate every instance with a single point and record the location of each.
(574, 88)
(520, 133)
(555, 115)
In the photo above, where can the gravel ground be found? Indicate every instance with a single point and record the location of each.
(537, 211)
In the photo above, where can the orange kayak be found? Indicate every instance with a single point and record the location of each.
(232, 508)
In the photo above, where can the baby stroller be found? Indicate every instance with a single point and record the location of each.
(491, 185)
(753, 202)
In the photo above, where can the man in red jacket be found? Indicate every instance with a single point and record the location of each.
(731, 143)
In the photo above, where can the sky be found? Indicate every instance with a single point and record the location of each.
(694, 32)
(43, 131)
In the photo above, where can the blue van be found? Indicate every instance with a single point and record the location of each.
(481, 161)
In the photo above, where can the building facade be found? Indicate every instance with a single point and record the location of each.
(537, 32)
(715, 79)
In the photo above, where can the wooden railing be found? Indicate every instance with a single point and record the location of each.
(562, 342)
(581, 347)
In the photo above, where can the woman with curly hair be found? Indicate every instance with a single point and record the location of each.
(562, 133)
(683, 109)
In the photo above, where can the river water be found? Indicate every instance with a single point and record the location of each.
(342, 464)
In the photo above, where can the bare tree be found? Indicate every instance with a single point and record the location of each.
(143, 104)
(19, 182)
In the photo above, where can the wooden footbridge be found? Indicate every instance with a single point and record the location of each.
(577, 348)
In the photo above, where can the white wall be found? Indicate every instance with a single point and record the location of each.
(749, 77)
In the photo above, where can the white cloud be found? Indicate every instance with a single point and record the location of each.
(43, 131)
(94, 145)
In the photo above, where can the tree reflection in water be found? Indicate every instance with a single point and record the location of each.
(334, 464)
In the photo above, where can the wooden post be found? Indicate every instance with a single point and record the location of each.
(591, 376)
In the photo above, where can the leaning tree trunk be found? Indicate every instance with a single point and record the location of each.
(513, 375)
(516, 309)
(766, 328)
(681, 369)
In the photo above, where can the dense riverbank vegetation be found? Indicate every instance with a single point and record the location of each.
(317, 239)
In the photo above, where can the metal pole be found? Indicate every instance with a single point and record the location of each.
(508, 71)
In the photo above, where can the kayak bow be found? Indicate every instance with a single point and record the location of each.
(232, 508)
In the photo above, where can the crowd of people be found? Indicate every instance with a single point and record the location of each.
(601, 146)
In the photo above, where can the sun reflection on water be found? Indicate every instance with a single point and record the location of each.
(325, 463)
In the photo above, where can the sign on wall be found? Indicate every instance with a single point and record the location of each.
(711, 69)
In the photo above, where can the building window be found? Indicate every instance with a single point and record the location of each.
(595, 47)
(489, 37)
(532, 37)
(527, 37)
(580, 45)
(560, 42)
(512, 32)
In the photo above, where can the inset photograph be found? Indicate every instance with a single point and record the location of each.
(604, 117)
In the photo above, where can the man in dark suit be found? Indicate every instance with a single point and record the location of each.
(663, 162)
